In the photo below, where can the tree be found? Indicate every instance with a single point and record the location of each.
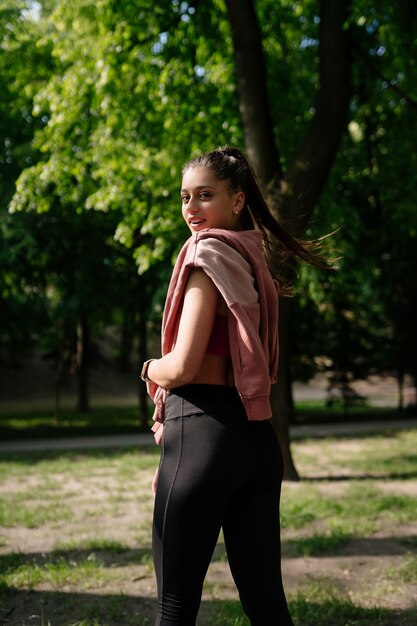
(111, 152)
(295, 191)
(24, 64)
(370, 199)
(128, 91)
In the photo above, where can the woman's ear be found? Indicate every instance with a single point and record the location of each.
(239, 200)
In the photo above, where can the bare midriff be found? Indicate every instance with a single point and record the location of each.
(215, 370)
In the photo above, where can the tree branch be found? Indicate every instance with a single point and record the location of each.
(295, 196)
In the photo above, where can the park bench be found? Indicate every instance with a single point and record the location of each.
(344, 393)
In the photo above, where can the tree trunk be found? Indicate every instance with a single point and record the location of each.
(82, 363)
(58, 386)
(126, 340)
(251, 85)
(281, 396)
(142, 356)
(400, 381)
(298, 191)
(293, 194)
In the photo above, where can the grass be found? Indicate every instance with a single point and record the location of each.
(29, 424)
(315, 411)
(56, 573)
(42, 423)
(406, 572)
(77, 464)
(319, 544)
(360, 509)
(326, 609)
(91, 512)
(109, 546)
(33, 516)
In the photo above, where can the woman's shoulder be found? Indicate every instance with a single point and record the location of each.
(247, 243)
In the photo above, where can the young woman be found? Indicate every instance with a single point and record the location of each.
(221, 464)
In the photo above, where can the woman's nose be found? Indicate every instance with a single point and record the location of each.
(192, 206)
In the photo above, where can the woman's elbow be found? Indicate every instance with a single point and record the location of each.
(185, 372)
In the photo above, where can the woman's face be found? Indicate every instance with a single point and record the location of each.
(207, 201)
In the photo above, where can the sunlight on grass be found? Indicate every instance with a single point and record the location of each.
(78, 464)
(322, 603)
(32, 516)
(303, 505)
(406, 572)
(101, 420)
(392, 455)
(360, 509)
(86, 573)
(366, 500)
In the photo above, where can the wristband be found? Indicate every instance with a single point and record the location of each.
(144, 372)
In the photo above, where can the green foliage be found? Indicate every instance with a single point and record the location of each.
(24, 65)
(359, 318)
(102, 102)
(120, 119)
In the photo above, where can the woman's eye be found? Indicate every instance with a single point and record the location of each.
(205, 196)
(185, 198)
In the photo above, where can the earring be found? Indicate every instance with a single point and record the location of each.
(236, 212)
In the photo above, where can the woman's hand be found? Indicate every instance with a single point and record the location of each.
(151, 388)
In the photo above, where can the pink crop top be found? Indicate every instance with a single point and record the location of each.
(219, 339)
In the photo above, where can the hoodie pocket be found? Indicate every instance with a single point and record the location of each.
(245, 334)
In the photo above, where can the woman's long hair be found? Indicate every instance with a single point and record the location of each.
(230, 164)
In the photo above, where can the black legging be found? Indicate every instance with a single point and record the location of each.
(217, 470)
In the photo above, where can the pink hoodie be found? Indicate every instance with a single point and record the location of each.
(235, 262)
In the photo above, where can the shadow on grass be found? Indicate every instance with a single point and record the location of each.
(358, 477)
(325, 546)
(108, 558)
(119, 556)
(83, 609)
(335, 612)
(345, 613)
(57, 608)
(113, 558)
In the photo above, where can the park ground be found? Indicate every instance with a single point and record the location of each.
(75, 523)
(75, 536)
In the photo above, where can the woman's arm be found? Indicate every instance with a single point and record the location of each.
(182, 365)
